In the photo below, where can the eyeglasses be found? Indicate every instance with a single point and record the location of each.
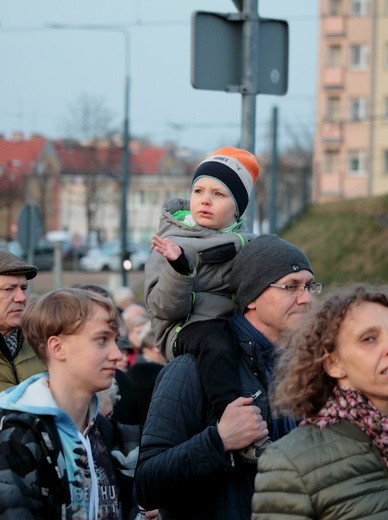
(299, 288)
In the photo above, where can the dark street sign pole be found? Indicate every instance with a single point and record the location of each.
(29, 230)
(124, 231)
(249, 88)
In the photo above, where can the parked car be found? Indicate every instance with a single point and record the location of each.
(13, 246)
(108, 258)
(43, 255)
(71, 253)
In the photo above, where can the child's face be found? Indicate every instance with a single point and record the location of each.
(211, 204)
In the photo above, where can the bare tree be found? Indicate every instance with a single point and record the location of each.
(301, 144)
(88, 123)
(292, 168)
(88, 118)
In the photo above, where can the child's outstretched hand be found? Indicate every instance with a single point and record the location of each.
(166, 247)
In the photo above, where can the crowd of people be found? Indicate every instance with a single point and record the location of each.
(236, 391)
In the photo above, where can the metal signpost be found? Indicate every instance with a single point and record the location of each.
(29, 231)
(29, 228)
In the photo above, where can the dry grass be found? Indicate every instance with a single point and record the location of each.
(345, 241)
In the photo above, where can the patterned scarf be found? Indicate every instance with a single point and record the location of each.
(12, 342)
(350, 405)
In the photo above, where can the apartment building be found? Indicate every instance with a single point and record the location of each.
(351, 143)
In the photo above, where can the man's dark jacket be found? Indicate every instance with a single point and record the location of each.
(183, 469)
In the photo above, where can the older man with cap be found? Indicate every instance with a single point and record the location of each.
(189, 467)
(17, 359)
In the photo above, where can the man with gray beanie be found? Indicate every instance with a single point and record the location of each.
(189, 467)
(17, 359)
(273, 285)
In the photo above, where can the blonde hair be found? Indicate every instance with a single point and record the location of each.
(62, 311)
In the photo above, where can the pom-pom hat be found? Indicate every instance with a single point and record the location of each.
(237, 169)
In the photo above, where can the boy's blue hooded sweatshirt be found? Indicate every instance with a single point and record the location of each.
(48, 468)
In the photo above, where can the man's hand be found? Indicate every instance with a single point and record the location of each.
(166, 248)
(241, 424)
(151, 515)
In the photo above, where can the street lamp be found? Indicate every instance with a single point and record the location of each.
(125, 151)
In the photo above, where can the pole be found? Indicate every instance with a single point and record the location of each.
(274, 173)
(124, 231)
(58, 281)
(250, 64)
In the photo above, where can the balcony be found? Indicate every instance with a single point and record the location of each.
(332, 133)
(334, 77)
(334, 26)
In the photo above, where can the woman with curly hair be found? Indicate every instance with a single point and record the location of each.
(333, 377)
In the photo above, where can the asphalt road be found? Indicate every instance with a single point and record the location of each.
(46, 281)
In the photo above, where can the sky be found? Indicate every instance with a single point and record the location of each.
(44, 71)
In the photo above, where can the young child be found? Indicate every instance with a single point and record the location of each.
(187, 274)
(54, 460)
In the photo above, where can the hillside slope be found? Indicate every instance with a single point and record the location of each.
(345, 241)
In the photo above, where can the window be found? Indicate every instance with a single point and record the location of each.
(359, 8)
(358, 57)
(357, 109)
(333, 109)
(385, 114)
(385, 56)
(335, 7)
(356, 162)
(334, 54)
(385, 163)
(331, 161)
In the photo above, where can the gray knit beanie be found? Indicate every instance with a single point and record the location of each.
(261, 262)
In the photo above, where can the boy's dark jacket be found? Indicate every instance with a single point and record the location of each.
(183, 469)
(39, 465)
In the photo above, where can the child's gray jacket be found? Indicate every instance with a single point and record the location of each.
(175, 299)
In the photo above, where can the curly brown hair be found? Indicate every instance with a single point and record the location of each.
(302, 385)
(62, 311)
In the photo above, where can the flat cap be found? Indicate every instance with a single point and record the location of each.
(12, 265)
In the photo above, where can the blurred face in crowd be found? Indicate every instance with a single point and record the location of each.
(13, 297)
(152, 353)
(360, 359)
(136, 334)
(122, 364)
